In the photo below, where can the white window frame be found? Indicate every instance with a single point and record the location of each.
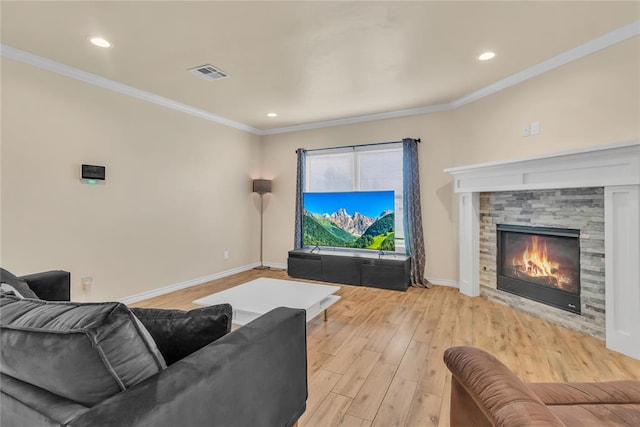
(392, 147)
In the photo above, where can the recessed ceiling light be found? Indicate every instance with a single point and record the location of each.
(99, 41)
(272, 115)
(486, 56)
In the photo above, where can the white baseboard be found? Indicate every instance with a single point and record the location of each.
(200, 280)
(276, 265)
(193, 282)
(443, 282)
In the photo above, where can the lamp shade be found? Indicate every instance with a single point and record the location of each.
(262, 186)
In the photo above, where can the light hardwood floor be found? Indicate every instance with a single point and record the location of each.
(377, 360)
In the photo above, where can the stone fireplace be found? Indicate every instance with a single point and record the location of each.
(593, 195)
(553, 264)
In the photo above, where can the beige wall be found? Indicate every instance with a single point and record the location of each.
(592, 101)
(177, 194)
(178, 187)
(435, 130)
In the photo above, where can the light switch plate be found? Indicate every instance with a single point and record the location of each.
(535, 128)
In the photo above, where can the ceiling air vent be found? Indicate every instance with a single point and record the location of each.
(209, 72)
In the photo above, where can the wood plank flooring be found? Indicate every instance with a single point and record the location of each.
(377, 361)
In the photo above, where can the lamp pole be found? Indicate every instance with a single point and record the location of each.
(262, 266)
(262, 187)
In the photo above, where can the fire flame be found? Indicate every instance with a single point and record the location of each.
(535, 262)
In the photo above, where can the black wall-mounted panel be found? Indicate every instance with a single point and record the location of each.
(93, 172)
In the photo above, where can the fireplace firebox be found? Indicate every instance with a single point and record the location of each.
(540, 263)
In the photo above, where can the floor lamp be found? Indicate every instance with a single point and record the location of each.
(262, 187)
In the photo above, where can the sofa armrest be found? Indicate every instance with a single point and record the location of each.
(50, 285)
(254, 376)
(607, 392)
(484, 392)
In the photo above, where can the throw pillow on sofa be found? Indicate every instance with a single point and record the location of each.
(20, 286)
(179, 333)
(85, 352)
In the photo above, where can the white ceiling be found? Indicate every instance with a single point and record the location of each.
(308, 61)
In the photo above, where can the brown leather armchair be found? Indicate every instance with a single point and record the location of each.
(484, 392)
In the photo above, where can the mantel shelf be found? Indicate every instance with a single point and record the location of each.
(600, 166)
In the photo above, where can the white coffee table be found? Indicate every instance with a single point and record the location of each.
(253, 299)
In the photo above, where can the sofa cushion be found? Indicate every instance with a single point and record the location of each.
(16, 283)
(179, 333)
(85, 352)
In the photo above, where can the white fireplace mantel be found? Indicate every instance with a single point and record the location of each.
(614, 167)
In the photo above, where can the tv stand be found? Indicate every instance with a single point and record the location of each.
(393, 271)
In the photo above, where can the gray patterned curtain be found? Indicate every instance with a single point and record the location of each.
(297, 233)
(413, 235)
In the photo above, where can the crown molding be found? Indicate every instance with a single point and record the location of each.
(359, 119)
(68, 71)
(606, 40)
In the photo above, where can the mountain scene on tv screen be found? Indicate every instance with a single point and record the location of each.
(350, 231)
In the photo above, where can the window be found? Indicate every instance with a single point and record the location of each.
(368, 168)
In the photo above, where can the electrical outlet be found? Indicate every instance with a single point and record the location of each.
(525, 130)
(87, 283)
(226, 255)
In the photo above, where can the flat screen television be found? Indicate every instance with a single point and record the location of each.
(354, 219)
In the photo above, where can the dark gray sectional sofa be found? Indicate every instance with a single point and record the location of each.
(96, 364)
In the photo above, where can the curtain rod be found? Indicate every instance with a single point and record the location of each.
(355, 146)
